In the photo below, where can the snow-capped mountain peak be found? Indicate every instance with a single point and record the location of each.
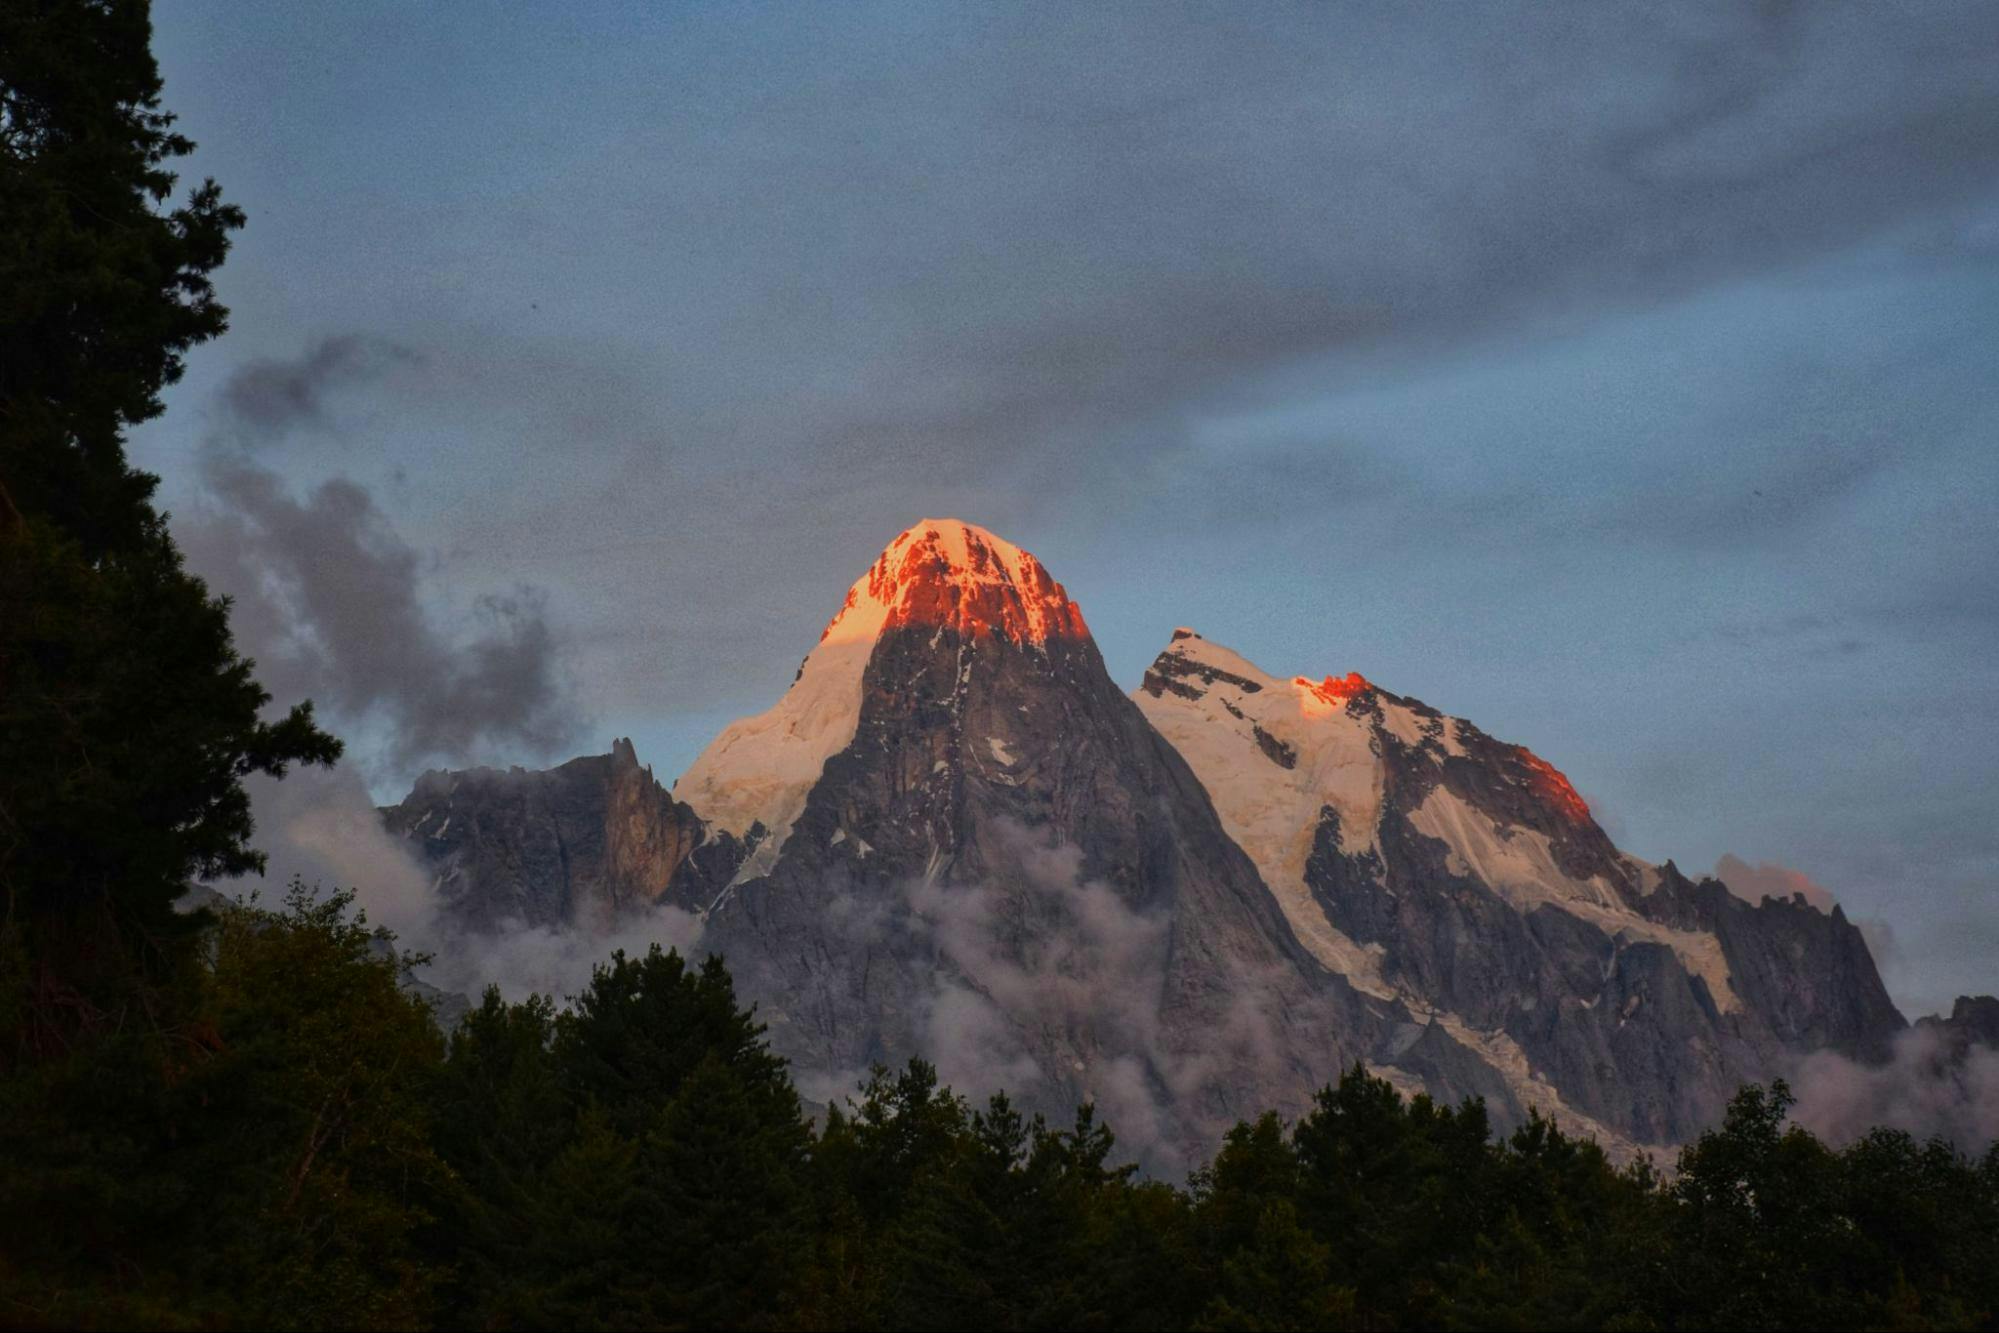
(1351, 799)
(943, 571)
(1273, 754)
(938, 574)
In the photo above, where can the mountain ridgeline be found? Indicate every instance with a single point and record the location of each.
(955, 837)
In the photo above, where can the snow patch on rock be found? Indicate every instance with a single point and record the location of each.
(1520, 865)
(1239, 716)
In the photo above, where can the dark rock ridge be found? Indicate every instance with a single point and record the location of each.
(1625, 1030)
(1070, 922)
(581, 843)
(1806, 974)
(1973, 1021)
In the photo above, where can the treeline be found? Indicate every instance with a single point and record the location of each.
(316, 1153)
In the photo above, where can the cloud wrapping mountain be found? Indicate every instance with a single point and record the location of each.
(331, 601)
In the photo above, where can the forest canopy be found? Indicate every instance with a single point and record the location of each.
(323, 1155)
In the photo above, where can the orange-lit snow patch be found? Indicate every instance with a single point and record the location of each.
(946, 573)
(1549, 783)
(1335, 690)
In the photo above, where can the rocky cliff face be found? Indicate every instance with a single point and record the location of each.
(1465, 877)
(1004, 867)
(955, 837)
(584, 842)
(1973, 1021)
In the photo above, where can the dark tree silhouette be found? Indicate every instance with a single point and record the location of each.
(128, 719)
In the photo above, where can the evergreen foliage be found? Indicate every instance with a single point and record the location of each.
(321, 1156)
(127, 719)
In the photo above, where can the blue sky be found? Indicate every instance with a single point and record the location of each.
(1618, 377)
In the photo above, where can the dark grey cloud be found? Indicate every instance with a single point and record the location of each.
(1931, 1086)
(272, 395)
(331, 600)
(1087, 216)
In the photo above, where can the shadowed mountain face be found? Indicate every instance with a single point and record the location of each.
(1007, 869)
(1465, 877)
(956, 837)
(580, 844)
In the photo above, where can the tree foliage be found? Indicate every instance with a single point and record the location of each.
(104, 285)
(324, 1157)
(127, 717)
(278, 1171)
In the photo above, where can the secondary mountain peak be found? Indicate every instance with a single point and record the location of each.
(1465, 877)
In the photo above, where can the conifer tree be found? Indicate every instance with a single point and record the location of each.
(127, 717)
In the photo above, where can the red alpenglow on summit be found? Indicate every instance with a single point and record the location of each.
(940, 574)
(1553, 787)
(1336, 689)
(944, 572)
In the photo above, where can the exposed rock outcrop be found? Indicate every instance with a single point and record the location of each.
(583, 842)
(1465, 877)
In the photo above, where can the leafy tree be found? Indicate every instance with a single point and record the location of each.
(1773, 1229)
(584, 1265)
(955, 1251)
(929, 1214)
(1280, 1277)
(278, 1177)
(901, 1136)
(1925, 1230)
(644, 1025)
(722, 1197)
(1758, 1219)
(870, 1166)
(1080, 1259)
(1571, 1243)
(316, 1119)
(1267, 1271)
(1144, 1270)
(502, 1120)
(636, 1161)
(1404, 1187)
(105, 289)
